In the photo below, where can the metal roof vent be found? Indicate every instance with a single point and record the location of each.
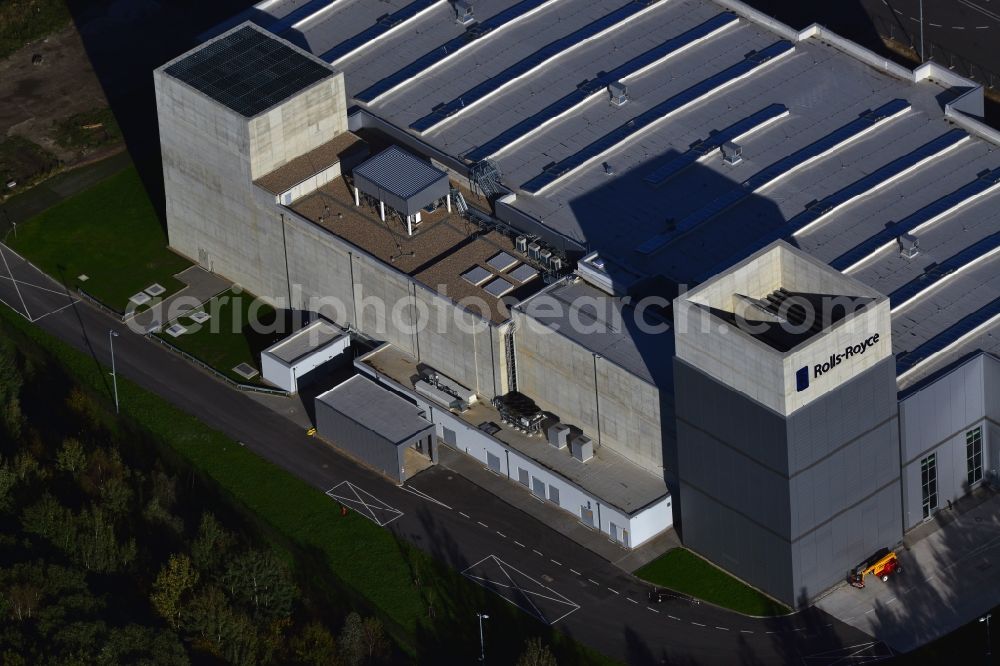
(732, 153)
(608, 169)
(909, 246)
(463, 12)
(555, 263)
(521, 243)
(618, 92)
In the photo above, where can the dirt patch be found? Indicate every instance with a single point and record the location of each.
(46, 87)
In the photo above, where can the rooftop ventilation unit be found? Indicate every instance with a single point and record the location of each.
(559, 435)
(545, 256)
(463, 13)
(732, 153)
(521, 243)
(556, 263)
(618, 92)
(909, 246)
(582, 448)
(533, 250)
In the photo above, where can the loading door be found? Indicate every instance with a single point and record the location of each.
(587, 516)
(493, 462)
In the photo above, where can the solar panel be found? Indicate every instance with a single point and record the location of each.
(449, 49)
(382, 26)
(919, 285)
(498, 287)
(248, 71)
(477, 275)
(528, 64)
(523, 273)
(907, 361)
(780, 169)
(591, 89)
(946, 205)
(643, 121)
(736, 131)
(502, 261)
(876, 180)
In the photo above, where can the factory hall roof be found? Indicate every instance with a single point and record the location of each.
(248, 71)
(840, 153)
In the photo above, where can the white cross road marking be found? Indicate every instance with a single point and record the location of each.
(512, 591)
(423, 495)
(363, 502)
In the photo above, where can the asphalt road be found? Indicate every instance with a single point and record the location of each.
(536, 568)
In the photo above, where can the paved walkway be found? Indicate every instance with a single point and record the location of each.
(200, 287)
(951, 576)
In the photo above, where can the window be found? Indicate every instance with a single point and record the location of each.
(928, 484)
(553, 494)
(974, 454)
(522, 476)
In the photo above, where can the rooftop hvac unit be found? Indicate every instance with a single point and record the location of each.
(909, 246)
(544, 256)
(582, 448)
(533, 249)
(556, 263)
(463, 12)
(618, 92)
(559, 435)
(732, 153)
(521, 243)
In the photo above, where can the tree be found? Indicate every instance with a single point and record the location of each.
(71, 457)
(98, 548)
(211, 544)
(313, 646)
(536, 653)
(262, 583)
(135, 644)
(175, 581)
(11, 382)
(375, 642)
(351, 641)
(216, 626)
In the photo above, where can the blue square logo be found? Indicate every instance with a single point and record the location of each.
(802, 378)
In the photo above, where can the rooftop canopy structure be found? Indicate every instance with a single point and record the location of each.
(402, 182)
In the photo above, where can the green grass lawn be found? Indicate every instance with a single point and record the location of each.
(22, 21)
(109, 233)
(349, 558)
(683, 571)
(240, 328)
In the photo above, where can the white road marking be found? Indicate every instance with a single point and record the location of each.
(575, 571)
(982, 27)
(958, 27)
(936, 25)
(464, 515)
(633, 601)
(27, 314)
(593, 581)
(363, 502)
(870, 610)
(745, 631)
(674, 618)
(697, 624)
(54, 311)
(652, 609)
(423, 495)
(483, 524)
(537, 552)
(615, 591)
(501, 534)
(524, 593)
(558, 564)
(519, 544)
(722, 628)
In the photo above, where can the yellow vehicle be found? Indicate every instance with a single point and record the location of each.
(883, 564)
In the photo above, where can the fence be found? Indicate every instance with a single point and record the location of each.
(111, 312)
(209, 369)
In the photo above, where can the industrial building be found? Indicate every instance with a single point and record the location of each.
(529, 204)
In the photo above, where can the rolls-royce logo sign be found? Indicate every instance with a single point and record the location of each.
(802, 375)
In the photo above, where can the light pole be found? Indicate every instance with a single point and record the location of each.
(112, 334)
(989, 643)
(482, 644)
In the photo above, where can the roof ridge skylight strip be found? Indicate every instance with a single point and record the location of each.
(876, 180)
(658, 113)
(331, 4)
(594, 88)
(299, 14)
(835, 140)
(383, 27)
(705, 147)
(942, 273)
(927, 216)
(531, 63)
(956, 334)
(452, 48)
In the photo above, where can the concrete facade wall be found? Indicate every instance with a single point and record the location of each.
(213, 215)
(817, 491)
(611, 405)
(296, 126)
(935, 420)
